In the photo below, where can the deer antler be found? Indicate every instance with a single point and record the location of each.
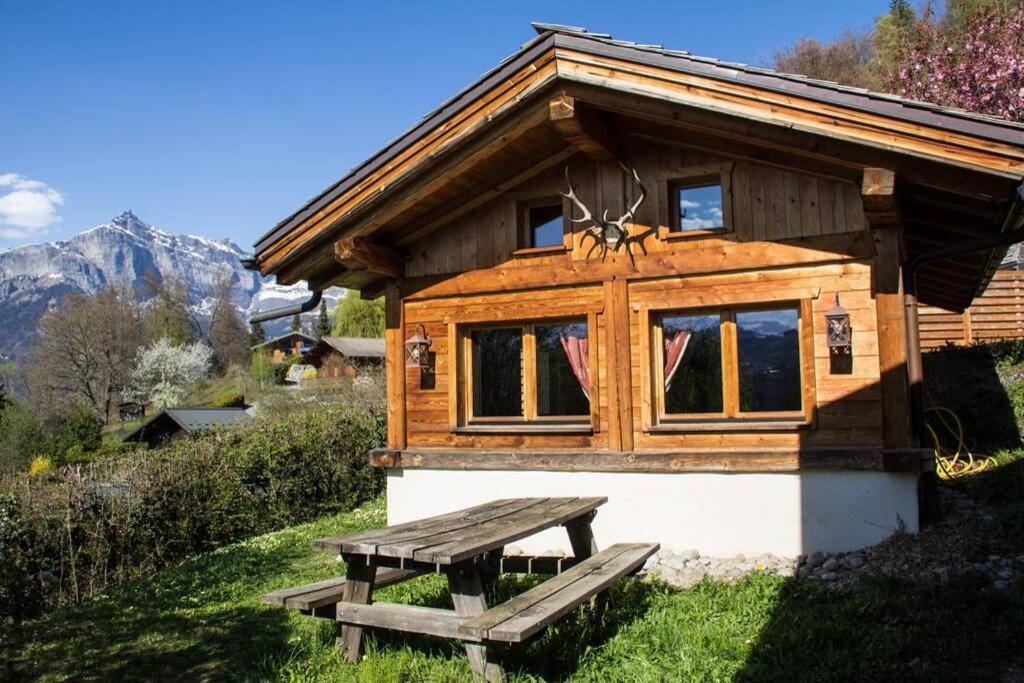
(571, 196)
(628, 216)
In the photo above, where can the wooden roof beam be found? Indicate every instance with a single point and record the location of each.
(585, 129)
(358, 253)
(878, 194)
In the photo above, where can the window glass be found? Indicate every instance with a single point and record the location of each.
(700, 207)
(497, 373)
(563, 378)
(544, 225)
(768, 346)
(692, 363)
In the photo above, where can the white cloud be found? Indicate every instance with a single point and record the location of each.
(27, 207)
(687, 204)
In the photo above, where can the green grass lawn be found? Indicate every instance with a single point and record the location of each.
(204, 620)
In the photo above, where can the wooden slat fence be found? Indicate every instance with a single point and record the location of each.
(997, 314)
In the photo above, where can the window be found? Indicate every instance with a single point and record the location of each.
(699, 201)
(541, 224)
(533, 372)
(726, 364)
(697, 206)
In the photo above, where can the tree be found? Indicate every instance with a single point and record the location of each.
(165, 372)
(974, 62)
(256, 334)
(296, 323)
(323, 321)
(844, 60)
(357, 317)
(83, 353)
(228, 334)
(168, 313)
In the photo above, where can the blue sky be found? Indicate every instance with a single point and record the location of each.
(220, 118)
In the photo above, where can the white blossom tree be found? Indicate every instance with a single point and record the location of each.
(164, 372)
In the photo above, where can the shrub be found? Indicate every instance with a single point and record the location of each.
(39, 465)
(228, 399)
(89, 527)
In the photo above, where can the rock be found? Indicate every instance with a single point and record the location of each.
(1001, 585)
(513, 551)
(1006, 574)
(854, 561)
(786, 572)
(830, 565)
(676, 563)
(689, 554)
(829, 576)
(815, 560)
(994, 558)
(553, 553)
(803, 572)
(739, 557)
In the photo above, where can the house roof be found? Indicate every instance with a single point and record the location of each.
(356, 347)
(289, 335)
(553, 35)
(193, 419)
(961, 168)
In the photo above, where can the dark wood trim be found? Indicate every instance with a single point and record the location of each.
(542, 251)
(739, 424)
(525, 428)
(585, 129)
(869, 459)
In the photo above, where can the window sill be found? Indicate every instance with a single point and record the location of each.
(542, 251)
(730, 426)
(526, 428)
(674, 235)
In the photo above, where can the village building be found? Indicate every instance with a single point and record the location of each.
(337, 357)
(690, 286)
(286, 346)
(174, 423)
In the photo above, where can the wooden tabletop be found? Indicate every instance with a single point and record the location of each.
(463, 534)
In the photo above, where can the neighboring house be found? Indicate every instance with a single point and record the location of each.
(286, 346)
(684, 357)
(343, 356)
(173, 423)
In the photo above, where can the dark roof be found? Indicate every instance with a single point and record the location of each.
(577, 38)
(356, 347)
(193, 419)
(305, 337)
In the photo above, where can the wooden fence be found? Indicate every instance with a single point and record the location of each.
(997, 314)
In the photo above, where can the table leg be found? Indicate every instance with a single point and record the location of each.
(581, 538)
(490, 569)
(468, 595)
(359, 579)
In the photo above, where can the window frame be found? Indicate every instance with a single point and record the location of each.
(461, 411)
(524, 238)
(669, 182)
(656, 418)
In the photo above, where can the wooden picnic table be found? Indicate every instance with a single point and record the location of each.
(467, 546)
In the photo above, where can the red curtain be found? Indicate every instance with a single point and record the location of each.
(576, 353)
(674, 350)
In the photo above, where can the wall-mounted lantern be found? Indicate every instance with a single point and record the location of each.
(417, 349)
(839, 331)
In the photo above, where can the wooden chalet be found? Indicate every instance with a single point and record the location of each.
(712, 328)
(286, 346)
(336, 357)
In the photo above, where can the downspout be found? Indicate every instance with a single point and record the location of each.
(273, 314)
(1011, 233)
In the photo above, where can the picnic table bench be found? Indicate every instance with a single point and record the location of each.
(467, 546)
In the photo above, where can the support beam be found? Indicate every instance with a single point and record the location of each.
(357, 253)
(882, 212)
(585, 129)
(394, 364)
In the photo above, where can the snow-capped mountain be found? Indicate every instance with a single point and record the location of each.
(38, 276)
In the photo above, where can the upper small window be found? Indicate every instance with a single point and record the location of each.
(541, 225)
(698, 206)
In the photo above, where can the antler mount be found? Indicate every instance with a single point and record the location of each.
(610, 234)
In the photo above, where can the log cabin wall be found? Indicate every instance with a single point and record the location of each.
(794, 238)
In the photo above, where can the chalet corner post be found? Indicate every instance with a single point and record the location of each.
(882, 212)
(394, 363)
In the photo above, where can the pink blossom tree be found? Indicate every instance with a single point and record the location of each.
(978, 65)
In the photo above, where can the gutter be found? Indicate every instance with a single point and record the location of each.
(306, 306)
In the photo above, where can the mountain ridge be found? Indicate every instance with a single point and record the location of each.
(36, 277)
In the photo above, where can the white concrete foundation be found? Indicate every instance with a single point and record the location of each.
(717, 514)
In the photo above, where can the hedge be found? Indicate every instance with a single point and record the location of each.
(84, 529)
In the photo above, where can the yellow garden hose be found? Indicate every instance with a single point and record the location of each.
(958, 462)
